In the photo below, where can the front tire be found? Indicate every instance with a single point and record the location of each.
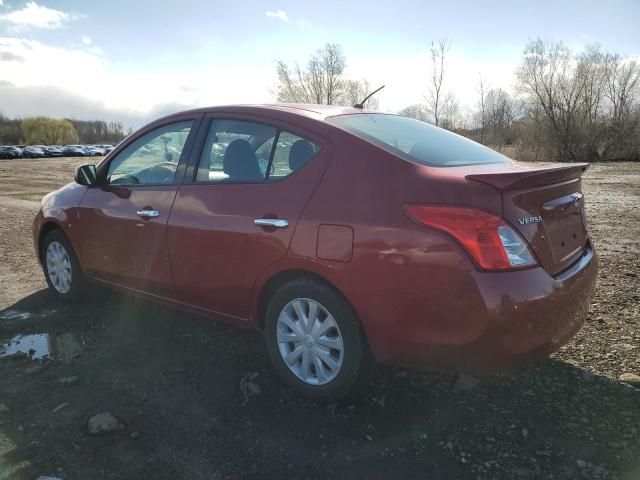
(61, 267)
(314, 340)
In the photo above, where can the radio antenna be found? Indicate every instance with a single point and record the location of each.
(361, 104)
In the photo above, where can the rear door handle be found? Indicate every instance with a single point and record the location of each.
(148, 213)
(271, 222)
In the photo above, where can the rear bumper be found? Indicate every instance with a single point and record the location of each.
(512, 318)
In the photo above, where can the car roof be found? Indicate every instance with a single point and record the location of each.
(314, 111)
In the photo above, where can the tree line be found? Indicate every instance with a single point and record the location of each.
(51, 131)
(566, 105)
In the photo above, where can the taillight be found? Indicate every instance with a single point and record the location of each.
(492, 244)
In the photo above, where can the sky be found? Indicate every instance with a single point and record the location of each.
(134, 60)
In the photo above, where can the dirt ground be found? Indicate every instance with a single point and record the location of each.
(178, 383)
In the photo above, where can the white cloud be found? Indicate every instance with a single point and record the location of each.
(86, 40)
(1, 3)
(98, 90)
(33, 15)
(303, 24)
(279, 14)
(38, 57)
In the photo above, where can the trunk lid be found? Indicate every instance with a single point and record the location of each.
(545, 204)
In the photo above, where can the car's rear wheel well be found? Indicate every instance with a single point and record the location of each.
(279, 279)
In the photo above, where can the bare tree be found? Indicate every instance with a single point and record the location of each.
(622, 91)
(355, 91)
(500, 113)
(436, 96)
(451, 117)
(291, 86)
(416, 111)
(531, 133)
(589, 101)
(547, 76)
(482, 115)
(322, 81)
(325, 74)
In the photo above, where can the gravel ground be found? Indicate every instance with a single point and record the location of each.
(190, 398)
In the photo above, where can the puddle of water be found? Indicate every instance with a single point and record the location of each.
(39, 343)
(64, 346)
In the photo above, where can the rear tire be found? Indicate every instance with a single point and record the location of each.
(315, 341)
(61, 267)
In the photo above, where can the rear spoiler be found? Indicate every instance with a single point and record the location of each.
(533, 177)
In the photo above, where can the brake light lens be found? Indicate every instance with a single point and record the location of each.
(490, 242)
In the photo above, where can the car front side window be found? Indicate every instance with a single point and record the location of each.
(152, 159)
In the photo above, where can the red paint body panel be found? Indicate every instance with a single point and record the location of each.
(58, 208)
(418, 295)
(118, 245)
(335, 242)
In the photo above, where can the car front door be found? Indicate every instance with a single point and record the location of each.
(237, 213)
(123, 219)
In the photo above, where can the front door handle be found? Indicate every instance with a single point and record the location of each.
(148, 213)
(271, 222)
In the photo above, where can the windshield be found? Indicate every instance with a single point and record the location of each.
(417, 141)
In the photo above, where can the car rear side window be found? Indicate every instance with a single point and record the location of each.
(236, 151)
(243, 151)
(417, 141)
(291, 153)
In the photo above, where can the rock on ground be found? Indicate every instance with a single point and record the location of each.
(68, 380)
(466, 382)
(60, 407)
(104, 422)
(630, 378)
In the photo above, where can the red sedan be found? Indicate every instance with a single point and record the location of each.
(347, 235)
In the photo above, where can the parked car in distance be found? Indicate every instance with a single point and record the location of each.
(364, 236)
(106, 148)
(93, 150)
(8, 151)
(33, 151)
(74, 151)
(53, 151)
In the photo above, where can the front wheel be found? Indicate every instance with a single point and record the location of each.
(61, 267)
(314, 340)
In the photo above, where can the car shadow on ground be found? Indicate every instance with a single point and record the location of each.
(199, 400)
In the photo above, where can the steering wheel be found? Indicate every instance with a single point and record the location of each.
(126, 179)
(160, 173)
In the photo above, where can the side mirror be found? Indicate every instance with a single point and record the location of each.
(85, 175)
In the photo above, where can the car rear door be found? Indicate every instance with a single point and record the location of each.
(123, 220)
(229, 222)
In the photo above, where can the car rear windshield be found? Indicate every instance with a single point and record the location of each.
(417, 141)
